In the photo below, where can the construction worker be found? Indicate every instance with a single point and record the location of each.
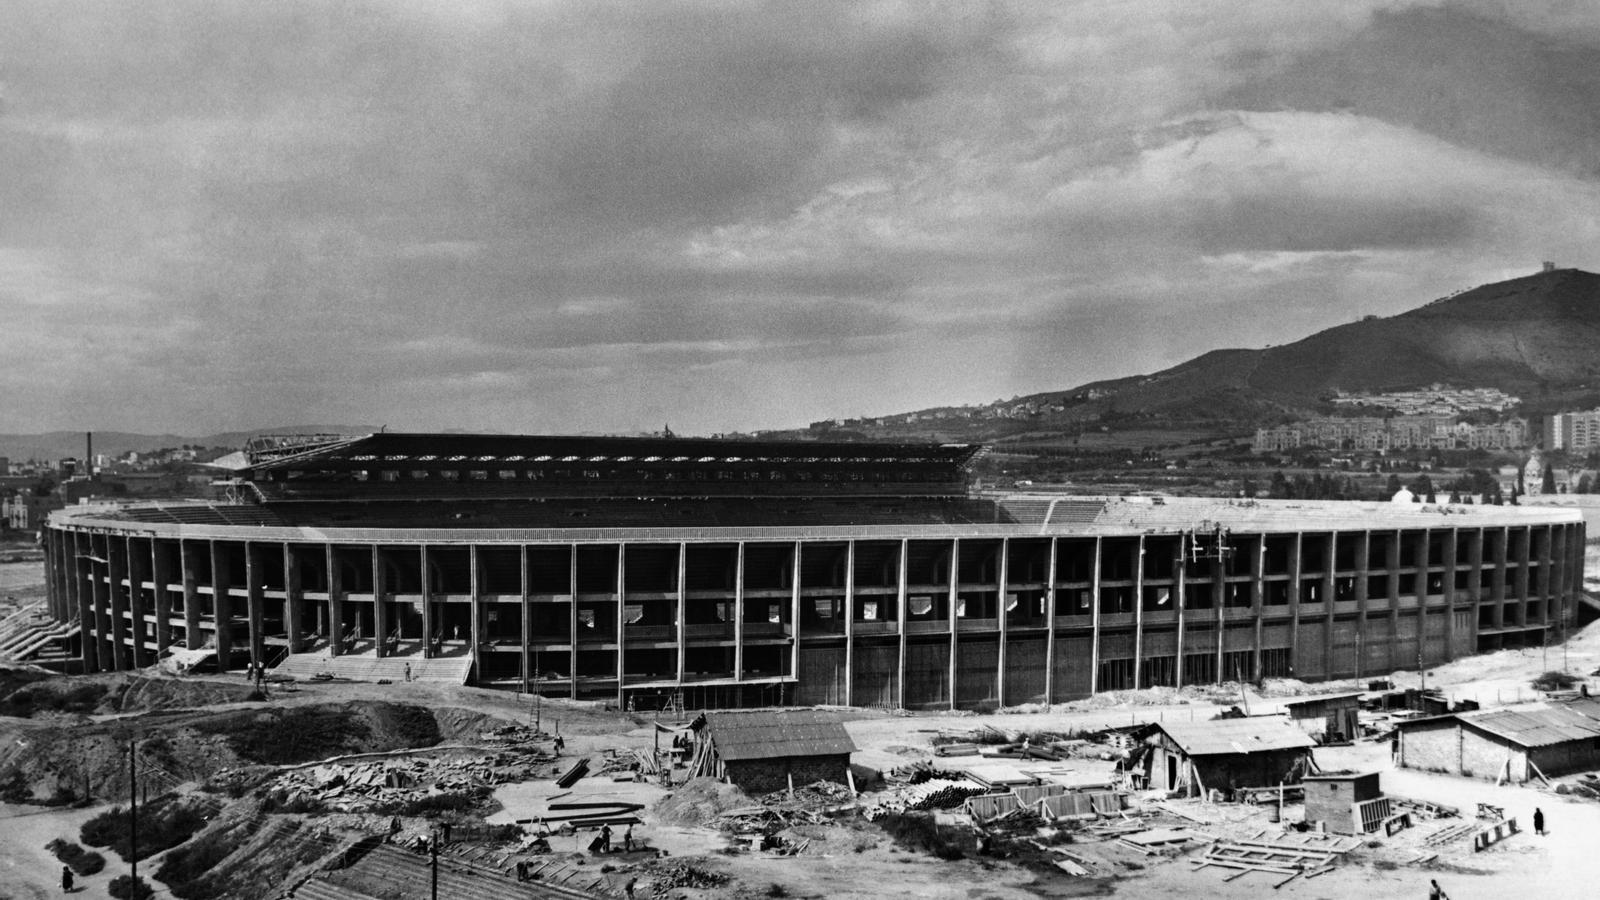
(627, 839)
(627, 889)
(66, 879)
(560, 745)
(1538, 821)
(605, 838)
(1435, 892)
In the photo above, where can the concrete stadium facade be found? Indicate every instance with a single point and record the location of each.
(1052, 598)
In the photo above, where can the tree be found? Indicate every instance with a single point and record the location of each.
(1585, 484)
(1279, 487)
(1249, 487)
(1548, 483)
(1392, 487)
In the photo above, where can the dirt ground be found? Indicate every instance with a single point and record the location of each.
(848, 858)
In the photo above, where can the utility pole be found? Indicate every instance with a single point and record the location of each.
(433, 853)
(133, 815)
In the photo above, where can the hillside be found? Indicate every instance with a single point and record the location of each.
(1534, 337)
(54, 445)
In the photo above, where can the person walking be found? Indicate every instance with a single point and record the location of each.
(1435, 892)
(1538, 821)
(627, 889)
(627, 839)
(66, 879)
(408, 671)
(605, 838)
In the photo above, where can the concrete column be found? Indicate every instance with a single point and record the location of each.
(255, 600)
(902, 604)
(622, 625)
(116, 557)
(1258, 590)
(335, 602)
(1363, 554)
(138, 573)
(1546, 564)
(1050, 622)
(475, 620)
(1424, 559)
(683, 612)
(1180, 585)
(794, 613)
(955, 598)
(430, 623)
(1497, 586)
(527, 623)
(1219, 595)
(1094, 620)
(1452, 550)
(294, 591)
(222, 606)
(849, 622)
(1138, 614)
(83, 599)
(572, 625)
(380, 616)
(1004, 579)
(1392, 586)
(738, 614)
(191, 596)
(1295, 571)
(1330, 569)
(1524, 557)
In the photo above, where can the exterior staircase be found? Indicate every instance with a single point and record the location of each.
(368, 667)
(32, 635)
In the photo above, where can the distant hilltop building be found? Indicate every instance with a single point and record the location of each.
(1573, 431)
(1397, 433)
(1436, 399)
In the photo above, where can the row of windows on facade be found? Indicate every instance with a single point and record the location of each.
(753, 475)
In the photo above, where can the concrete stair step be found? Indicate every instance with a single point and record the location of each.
(368, 667)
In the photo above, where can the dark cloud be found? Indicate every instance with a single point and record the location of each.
(581, 216)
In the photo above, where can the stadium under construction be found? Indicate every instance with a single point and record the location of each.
(734, 573)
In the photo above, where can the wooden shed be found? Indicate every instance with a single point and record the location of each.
(1330, 718)
(1223, 754)
(1344, 801)
(768, 750)
(1511, 744)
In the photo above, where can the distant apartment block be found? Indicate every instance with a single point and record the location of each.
(1396, 433)
(1573, 431)
(1435, 400)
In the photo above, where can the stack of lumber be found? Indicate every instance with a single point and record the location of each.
(1289, 859)
(571, 776)
(1449, 834)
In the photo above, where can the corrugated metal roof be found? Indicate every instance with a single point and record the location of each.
(1535, 727)
(1322, 698)
(770, 734)
(1250, 735)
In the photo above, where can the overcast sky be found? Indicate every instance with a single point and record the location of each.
(588, 217)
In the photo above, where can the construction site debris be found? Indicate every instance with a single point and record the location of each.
(575, 772)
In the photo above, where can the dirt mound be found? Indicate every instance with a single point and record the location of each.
(699, 801)
(456, 723)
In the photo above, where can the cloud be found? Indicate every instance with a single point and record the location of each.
(593, 216)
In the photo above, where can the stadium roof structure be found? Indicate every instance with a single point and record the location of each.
(390, 448)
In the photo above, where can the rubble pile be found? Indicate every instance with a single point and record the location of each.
(699, 801)
(671, 876)
(353, 786)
